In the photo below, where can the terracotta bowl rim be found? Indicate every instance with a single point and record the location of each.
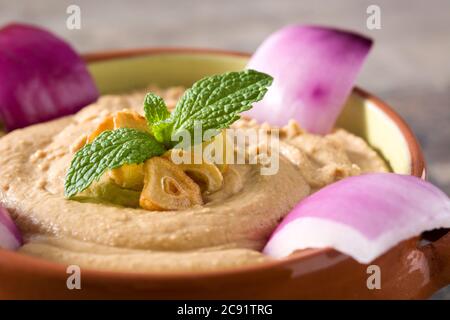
(42, 266)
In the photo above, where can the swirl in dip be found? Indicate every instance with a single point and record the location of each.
(228, 230)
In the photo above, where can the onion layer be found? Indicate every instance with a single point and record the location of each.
(10, 237)
(314, 69)
(362, 216)
(41, 77)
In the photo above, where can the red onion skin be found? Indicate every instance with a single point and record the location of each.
(41, 77)
(362, 194)
(377, 211)
(314, 69)
(10, 227)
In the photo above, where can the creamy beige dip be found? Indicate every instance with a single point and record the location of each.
(229, 230)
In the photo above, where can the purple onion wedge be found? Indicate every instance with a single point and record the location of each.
(10, 237)
(314, 69)
(362, 216)
(41, 77)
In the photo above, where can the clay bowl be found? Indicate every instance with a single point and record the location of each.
(410, 270)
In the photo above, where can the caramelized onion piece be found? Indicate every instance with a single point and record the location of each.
(121, 119)
(167, 187)
(129, 176)
(206, 174)
(224, 143)
(130, 119)
(106, 124)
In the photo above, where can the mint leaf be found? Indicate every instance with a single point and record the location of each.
(162, 131)
(218, 100)
(110, 150)
(155, 109)
(215, 102)
(157, 115)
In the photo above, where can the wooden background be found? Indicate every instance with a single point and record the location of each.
(409, 66)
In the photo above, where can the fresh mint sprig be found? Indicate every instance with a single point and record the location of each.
(155, 109)
(110, 150)
(215, 102)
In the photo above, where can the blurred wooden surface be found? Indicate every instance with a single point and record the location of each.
(409, 66)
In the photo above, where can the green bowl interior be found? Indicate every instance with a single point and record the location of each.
(360, 116)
